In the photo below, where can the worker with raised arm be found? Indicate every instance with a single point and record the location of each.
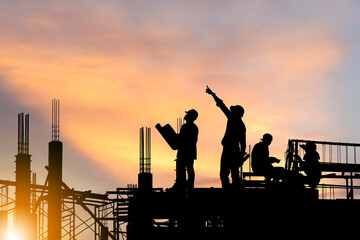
(233, 142)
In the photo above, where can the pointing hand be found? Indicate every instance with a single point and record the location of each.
(208, 90)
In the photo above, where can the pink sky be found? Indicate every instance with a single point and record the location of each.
(119, 65)
(116, 72)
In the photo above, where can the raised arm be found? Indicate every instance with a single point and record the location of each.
(218, 101)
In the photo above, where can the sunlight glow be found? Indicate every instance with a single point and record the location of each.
(12, 236)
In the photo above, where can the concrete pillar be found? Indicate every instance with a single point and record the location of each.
(55, 186)
(22, 194)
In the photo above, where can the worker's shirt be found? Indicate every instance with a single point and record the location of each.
(188, 137)
(260, 160)
(235, 132)
(312, 164)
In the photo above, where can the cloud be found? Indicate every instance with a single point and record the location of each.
(115, 74)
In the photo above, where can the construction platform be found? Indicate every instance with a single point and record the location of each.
(274, 212)
(256, 209)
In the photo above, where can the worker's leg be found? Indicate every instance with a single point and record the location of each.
(235, 173)
(180, 173)
(191, 173)
(224, 169)
(278, 173)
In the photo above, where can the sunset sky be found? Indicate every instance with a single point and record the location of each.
(119, 65)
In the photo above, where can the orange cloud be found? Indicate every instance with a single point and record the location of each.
(113, 79)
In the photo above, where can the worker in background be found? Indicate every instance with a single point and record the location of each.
(187, 153)
(261, 162)
(233, 142)
(311, 164)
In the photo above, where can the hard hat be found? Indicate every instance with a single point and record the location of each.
(237, 109)
(192, 113)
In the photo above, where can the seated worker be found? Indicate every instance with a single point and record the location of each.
(311, 164)
(261, 161)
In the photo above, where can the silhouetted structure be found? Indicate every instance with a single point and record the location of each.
(284, 210)
(338, 161)
(24, 222)
(234, 142)
(295, 208)
(104, 233)
(55, 175)
(145, 177)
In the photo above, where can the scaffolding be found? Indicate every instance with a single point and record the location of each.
(74, 221)
(138, 212)
(29, 209)
(116, 212)
(338, 162)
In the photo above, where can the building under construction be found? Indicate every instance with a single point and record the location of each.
(256, 209)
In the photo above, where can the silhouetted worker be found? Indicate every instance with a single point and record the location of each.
(261, 162)
(234, 142)
(187, 153)
(311, 164)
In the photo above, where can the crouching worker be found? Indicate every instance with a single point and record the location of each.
(262, 163)
(311, 164)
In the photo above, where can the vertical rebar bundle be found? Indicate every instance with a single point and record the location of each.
(145, 150)
(23, 134)
(145, 176)
(179, 123)
(141, 149)
(55, 117)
